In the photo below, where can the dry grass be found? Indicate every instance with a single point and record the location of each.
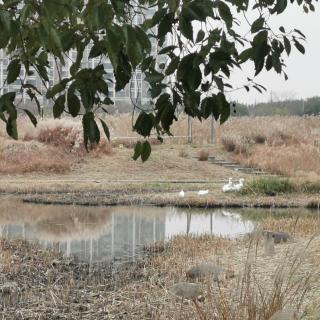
(285, 145)
(54, 146)
(262, 284)
(31, 156)
(299, 226)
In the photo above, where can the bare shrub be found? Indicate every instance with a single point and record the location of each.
(24, 157)
(228, 144)
(259, 138)
(203, 155)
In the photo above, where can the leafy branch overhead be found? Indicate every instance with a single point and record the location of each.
(185, 49)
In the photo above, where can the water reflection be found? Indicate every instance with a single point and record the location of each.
(108, 234)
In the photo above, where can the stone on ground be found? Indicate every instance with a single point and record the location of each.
(186, 290)
(206, 270)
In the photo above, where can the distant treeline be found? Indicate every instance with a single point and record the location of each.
(309, 106)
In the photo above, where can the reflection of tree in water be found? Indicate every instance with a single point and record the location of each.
(56, 222)
(92, 234)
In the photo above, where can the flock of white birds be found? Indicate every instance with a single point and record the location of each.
(228, 187)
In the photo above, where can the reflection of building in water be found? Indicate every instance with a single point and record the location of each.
(122, 237)
(106, 234)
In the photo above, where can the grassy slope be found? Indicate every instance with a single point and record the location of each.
(117, 178)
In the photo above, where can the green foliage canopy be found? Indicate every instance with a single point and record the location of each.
(196, 62)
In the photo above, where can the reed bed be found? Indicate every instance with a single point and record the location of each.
(262, 285)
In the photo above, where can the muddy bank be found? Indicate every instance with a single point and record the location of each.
(157, 198)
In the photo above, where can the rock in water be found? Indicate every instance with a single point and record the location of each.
(278, 236)
(186, 290)
(206, 270)
(284, 315)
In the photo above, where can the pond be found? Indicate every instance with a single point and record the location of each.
(108, 234)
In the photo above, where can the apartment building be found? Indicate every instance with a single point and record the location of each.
(137, 89)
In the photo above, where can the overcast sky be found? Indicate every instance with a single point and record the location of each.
(303, 70)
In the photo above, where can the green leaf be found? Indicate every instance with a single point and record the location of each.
(26, 13)
(269, 63)
(58, 106)
(90, 129)
(207, 107)
(173, 65)
(144, 124)
(282, 29)
(165, 25)
(158, 16)
(185, 26)
(146, 63)
(167, 49)
(246, 55)
(137, 150)
(57, 88)
(105, 129)
(257, 25)
(280, 6)
(74, 104)
(123, 72)
(200, 36)
(43, 72)
(32, 118)
(145, 151)
(96, 50)
(9, 106)
(134, 48)
(225, 13)
(287, 45)
(299, 46)
(154, 76)
(107, 101)
(300, 33)
(14, 69)
(12, 128)
(224, 107)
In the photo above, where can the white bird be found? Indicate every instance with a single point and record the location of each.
(228, 186)
(202, 192)
(181, 194)
(238, 186)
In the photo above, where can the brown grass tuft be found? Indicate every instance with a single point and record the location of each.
(203, 155)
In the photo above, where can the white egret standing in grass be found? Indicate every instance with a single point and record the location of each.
(181, 194)
(228, 186)
(238, 186)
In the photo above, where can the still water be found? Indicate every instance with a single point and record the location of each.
(97, 234)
